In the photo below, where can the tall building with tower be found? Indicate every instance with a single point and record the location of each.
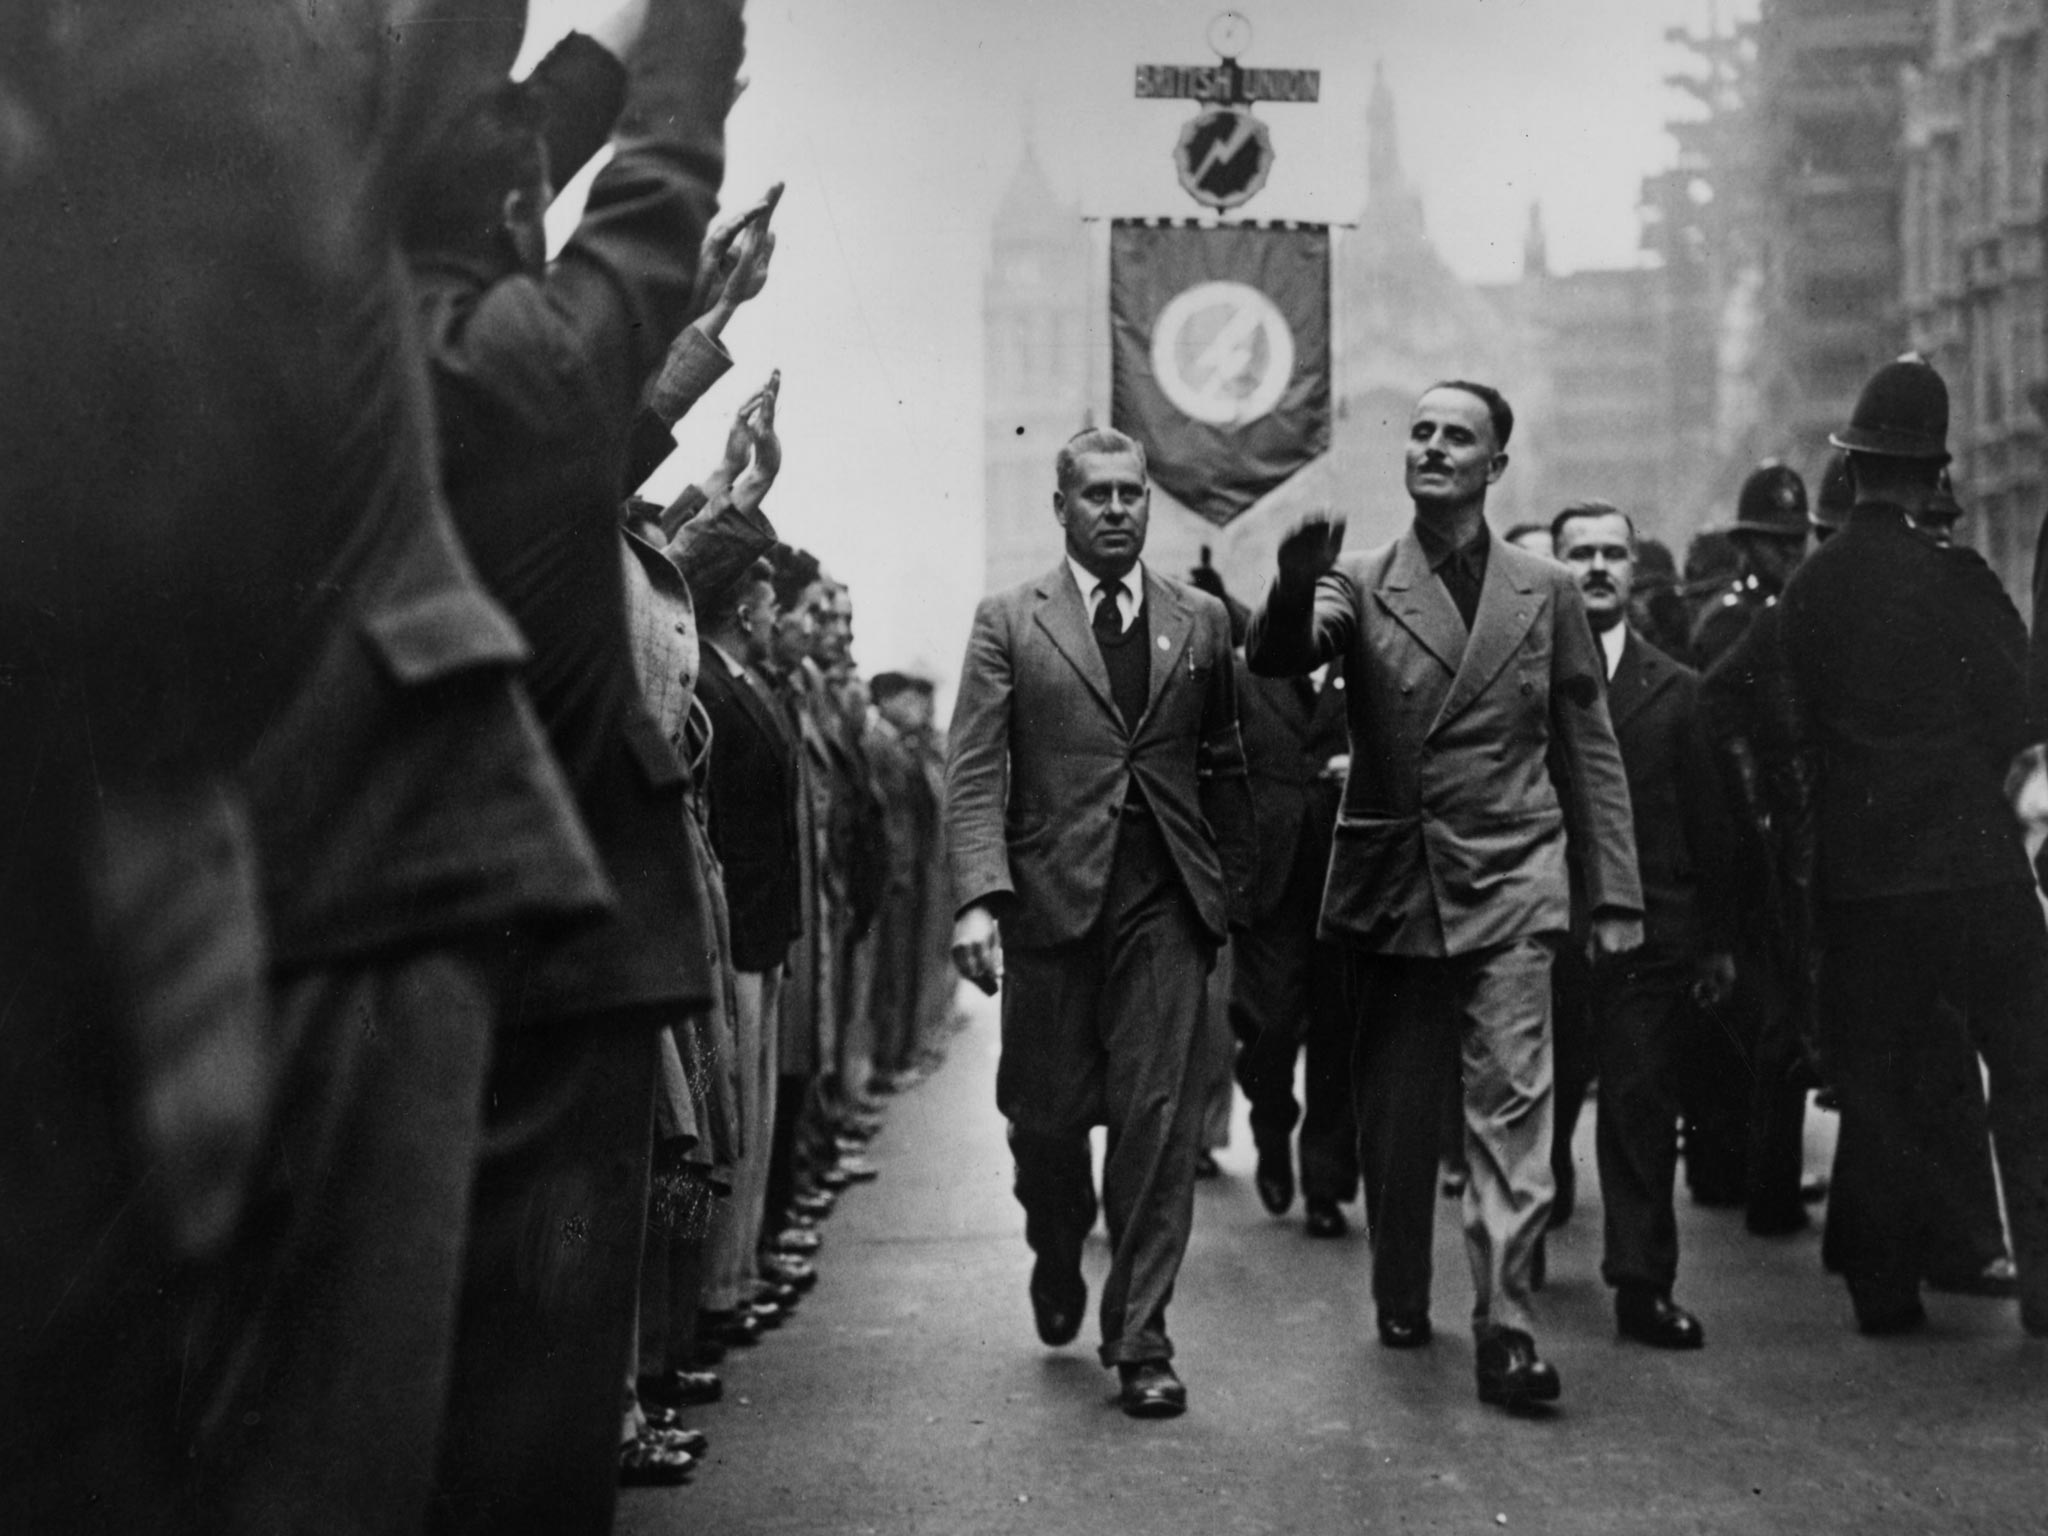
(1036, 339)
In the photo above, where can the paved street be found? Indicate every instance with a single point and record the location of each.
(910, 1394)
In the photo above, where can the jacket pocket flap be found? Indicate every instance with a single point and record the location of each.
(448, 632)
(650, 749)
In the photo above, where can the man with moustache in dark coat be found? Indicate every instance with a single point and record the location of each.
(1638, 1002)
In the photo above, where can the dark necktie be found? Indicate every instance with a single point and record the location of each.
(1109, 614)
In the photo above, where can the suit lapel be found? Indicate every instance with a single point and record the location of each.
(1172, 625)
(1638, 677)
(1410, 592)
(1507, 607)
(753, 703)
(1065, 621)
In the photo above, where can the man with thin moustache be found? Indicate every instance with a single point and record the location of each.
(1469, 666)
(1097, 809)
(1637, 1003)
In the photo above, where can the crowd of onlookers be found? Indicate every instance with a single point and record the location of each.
(460, 918)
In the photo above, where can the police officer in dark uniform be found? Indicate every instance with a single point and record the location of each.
(1907, 664)
(1769, 538)
(1746, 1097)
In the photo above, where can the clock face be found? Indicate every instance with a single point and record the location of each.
(1230, 34)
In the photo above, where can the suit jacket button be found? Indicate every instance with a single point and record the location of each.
(1527, 686)
(1407, 687)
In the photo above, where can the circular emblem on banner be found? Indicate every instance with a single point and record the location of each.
(1223, 157)
(1223, 353)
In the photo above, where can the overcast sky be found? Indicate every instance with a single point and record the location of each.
(897, 124)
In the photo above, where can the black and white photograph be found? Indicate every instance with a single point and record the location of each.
(1023, 767)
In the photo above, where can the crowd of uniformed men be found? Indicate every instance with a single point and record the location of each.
(462, 918)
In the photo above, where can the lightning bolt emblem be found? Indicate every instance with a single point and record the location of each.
(1224, 150)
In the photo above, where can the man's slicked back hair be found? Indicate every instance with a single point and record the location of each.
(1592, 506)
(1096, 440)
(1498, 411)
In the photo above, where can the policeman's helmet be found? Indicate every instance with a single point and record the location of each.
(1901, 414)
(1773, 501)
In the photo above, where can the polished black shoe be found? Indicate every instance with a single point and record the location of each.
(1206, 1166)
(1059, 1300)
(1771, 1221)
(1405, 1330)
(1274, 1179)
(814, 1203)
(2000, 1278)
(1324, 1218)
(1150, 1390)
(786, 1269)
(739, 1329)
(1653, 1318)
(679, 1389)
(1907, 1319)
(1510, 1375)
(858, 1170)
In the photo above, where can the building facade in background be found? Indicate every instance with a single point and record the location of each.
(1831, 110)
(1866, 176)
(1971, 273)
(1036, 341)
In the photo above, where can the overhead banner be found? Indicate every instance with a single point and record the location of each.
(1221, 356)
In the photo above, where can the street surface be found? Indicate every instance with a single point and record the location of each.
(910, 1396)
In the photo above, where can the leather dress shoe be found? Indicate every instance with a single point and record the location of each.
(1776, 1222)
(1999, 1278)
(1405, 1330)
(738, 1329)
(1274, 1179)
(814, 1203)
(665, 1427)
(645, 1462)
(1910, 1318)
(1653, 1318)
(1148, 1389)
(794, 1220)
(858, 1170)
(797, 1241)
(785, 1269)
(1324, 1218)
(833, 1179)
(679, 1389)
(1510, 1375)
(1058, 1302)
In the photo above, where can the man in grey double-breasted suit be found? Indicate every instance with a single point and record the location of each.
(1097, 808)
(1480, 746)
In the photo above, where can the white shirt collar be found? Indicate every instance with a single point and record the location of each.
(1611, 642)
(1130, 604)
